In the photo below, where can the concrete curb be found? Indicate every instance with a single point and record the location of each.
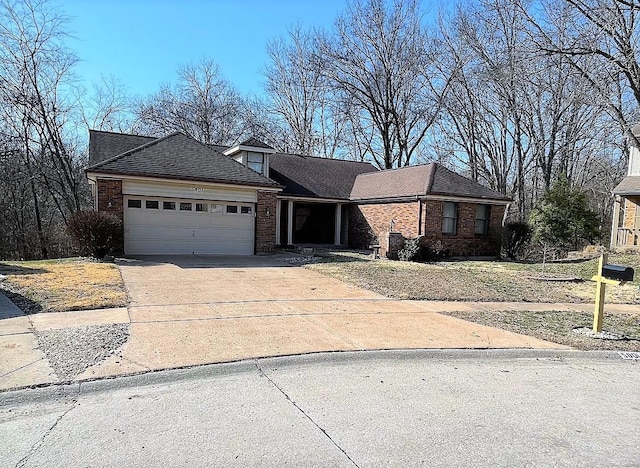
(72, 390)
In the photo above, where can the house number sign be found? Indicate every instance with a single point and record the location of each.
(197, 189)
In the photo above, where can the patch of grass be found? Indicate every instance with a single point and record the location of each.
(63, 285)
(502, 281)
(493, 281)
(557, 326)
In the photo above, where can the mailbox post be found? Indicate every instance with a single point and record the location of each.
(607, 274)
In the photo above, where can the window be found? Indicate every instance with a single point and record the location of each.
(185, 206)
(255, 161)
(168, 205)
(152, 204)
(449, 217)
(482, 219)
(245, 210)
(202, 207)
(232, 209)
(216, 208)
(134, 203)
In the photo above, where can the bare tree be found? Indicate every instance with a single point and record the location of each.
(107, 106)
(381, 64)
(300, 95)
(201, 104)
(603, 29)
(35, 75)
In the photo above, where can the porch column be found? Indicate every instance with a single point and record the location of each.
(290, 222)
(614, 224)
(278, 214)
(338, 224)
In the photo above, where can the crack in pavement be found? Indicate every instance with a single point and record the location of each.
(35, 447)
(326, 434)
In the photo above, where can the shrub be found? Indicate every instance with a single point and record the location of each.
(95, 232)
(411, 251)
(563, 219)
(516, 236)
(415, 251)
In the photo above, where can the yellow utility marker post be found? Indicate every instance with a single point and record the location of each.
(607, 274)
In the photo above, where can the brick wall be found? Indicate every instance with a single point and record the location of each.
(110, 200)
(631, 206)
(367, 221)
(266, 223)
(376, 219)
(465, 243)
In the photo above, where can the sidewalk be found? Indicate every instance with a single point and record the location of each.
(164, 337)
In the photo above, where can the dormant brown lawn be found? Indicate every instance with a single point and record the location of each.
(63, 285)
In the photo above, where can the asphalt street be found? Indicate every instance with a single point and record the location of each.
(408, 408)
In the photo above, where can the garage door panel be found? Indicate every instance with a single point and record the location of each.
(152, 232)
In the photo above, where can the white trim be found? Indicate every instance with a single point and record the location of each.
(181, 181)
(613, 240)
(278, 215)
(485, 201)
(237, 148)
(312, 199)
(290, 223)
(338, 224)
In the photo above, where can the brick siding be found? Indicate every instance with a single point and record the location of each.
(110, 200)
(374, 219)
(465, 243)
(266, 223)
(631, 205)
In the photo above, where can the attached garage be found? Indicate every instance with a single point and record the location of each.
(188, 226)
(177, 196)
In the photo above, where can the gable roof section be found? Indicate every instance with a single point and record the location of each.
(255, 143)
(447, 182)
(308, 176)
(394, 183)
(105, 145)
(416, 181)
(630, 185)
(180, 157)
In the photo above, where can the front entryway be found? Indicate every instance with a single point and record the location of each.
(313, 223)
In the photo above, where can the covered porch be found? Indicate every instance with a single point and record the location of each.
(311, 221)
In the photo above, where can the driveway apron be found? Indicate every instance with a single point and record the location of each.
(194, 310)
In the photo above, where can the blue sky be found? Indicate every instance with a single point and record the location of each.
(142, 42)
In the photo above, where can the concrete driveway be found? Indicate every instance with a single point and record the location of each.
(194, 310)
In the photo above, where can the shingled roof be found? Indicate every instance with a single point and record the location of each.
(180, 157)
(308, 176)
(416, 181)
(630, 185)
(105, 145)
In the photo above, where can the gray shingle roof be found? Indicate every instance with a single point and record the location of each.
(178, 156)
(414, 181)
(256, 143)
(396, 183)
(105, 145)
(316, 177)
(630, 185)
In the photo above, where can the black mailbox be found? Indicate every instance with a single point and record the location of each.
(617, 272)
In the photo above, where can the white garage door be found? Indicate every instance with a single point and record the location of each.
(156, 226)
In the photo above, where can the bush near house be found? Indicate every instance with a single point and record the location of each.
(563, 219)
(96, 233)
(516, 236)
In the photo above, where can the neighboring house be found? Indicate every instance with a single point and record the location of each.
(625, 231)
(178, 196)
